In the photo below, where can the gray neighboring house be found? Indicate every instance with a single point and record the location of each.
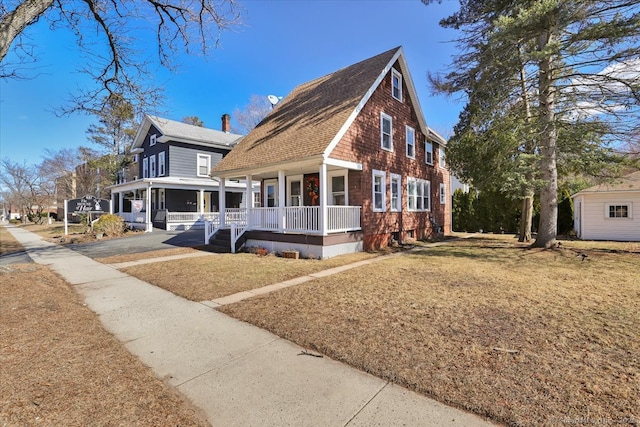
(173, 189)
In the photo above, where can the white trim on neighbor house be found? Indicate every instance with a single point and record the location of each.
(395, 189)
(378, 191)
(145, 168)
(443, 194)
(152, 166)
(162, 170)
(206, 164)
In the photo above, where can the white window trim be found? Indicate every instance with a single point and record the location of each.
(384, 116)
(398, 206)
(413, 143)
(153, 139)
(145, 168)
(333, 174)
(441, 157)
(203, 156)
(396, 73)
(629, 206)
(162, 166)
(291, 179)
(427, 151)
(443, 194)
(383, 175)
(152, 166)
(425, 188)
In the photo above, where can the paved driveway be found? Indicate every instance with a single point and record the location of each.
(142, 242)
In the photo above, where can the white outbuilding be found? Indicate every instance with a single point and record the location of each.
(606, 211)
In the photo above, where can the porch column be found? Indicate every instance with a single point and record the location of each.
(148, 208)
(282, 200)
(324, 217)
(249, 195)
(113, 202)
(120, 202)
(222, 200)
(201, 207)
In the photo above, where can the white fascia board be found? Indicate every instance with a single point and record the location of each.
(271, 168)
(345, 127)
(406, 75)
(167, 138)
(142, 132)
(343, 164)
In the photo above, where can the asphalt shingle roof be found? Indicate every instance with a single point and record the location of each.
(629, 182)
(304, 123)
(178, 130)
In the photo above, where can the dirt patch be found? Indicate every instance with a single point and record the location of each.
(523, 336)
(60, 367)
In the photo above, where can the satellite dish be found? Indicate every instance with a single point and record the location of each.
(273, 99)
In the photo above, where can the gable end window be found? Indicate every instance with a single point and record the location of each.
(386, 132)
(621, 210)
(428, 153)
(379, 202)
(153, 139)
(396, 85)
(204, 164)
(411, 142)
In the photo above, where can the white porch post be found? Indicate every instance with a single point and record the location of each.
(282, 198)
(201, 207)
(148, 209)
(324, 217)
(222, 200)
(113, 202)
(249, 196)
(120, 202)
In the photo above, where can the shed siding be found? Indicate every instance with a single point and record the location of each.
(596, 225)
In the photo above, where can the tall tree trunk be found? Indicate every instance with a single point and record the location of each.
(526, 218)
(14, 22)
(526, 214)
(548, 228)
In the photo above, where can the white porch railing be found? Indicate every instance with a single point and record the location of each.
(343, 218)
(191, 216)
(139, 217)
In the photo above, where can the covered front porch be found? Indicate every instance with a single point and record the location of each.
(173, 203)
(301, 199)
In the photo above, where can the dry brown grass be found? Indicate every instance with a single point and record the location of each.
(207, 278)
(438, 321)
(146, 255)
(8, 243)
(58, 366)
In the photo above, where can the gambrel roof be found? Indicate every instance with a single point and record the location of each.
(172, 130)
(310, 121)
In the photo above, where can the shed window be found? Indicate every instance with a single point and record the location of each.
(619, 211)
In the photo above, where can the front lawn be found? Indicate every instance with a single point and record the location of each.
(523, 336)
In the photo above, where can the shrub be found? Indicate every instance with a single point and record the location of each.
(110, 224)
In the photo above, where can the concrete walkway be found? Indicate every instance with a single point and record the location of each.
(238, 374)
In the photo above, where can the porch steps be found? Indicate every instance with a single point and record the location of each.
(221, 241)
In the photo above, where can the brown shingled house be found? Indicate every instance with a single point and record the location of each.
(346, 162)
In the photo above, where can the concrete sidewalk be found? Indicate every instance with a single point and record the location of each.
(238, 374)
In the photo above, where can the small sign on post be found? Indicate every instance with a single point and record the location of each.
(87, 205)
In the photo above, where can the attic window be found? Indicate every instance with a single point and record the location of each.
(153, 139)
(396, 84)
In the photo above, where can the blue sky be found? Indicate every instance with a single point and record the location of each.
(280, 45)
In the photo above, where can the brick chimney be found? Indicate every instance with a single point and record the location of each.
(226, 123)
